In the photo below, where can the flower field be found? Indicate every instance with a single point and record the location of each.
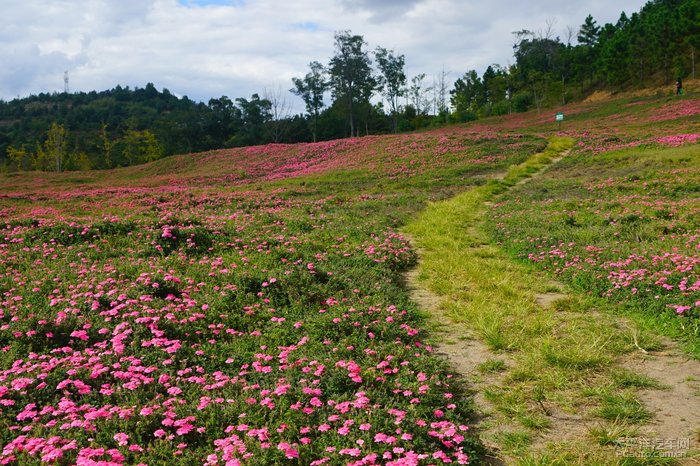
(620, 217)
(246, 306)
(625, 225)
(258, 321)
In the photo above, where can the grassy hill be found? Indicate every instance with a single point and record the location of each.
(248, 305)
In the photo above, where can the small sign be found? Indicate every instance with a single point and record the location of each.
(560, 116)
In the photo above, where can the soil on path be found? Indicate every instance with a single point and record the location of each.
(463, 349)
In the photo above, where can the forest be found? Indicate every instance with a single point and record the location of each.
(359, 91)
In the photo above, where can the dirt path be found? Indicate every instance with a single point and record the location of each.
(675, 407)
(463, 349)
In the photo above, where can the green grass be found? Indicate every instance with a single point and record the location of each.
(492, 366)
(563, 356)
(623, 407)
(603, 209)
(515, 442)
(627, 379)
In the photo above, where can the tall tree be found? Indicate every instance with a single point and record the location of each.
(538, 58)
(56, 145)
(465, 95)
(418, 94)
(440, 89)
(588, 37)
(351, 73)
(690, 30)
(223, 120)
(106, 145)
(392, 80)
(311, 89)
(279, 112)
(589, 33)
(256, 112)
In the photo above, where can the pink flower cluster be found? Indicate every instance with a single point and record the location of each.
(213, 356)
(678, 139)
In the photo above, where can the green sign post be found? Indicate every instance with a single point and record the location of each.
(559, 117)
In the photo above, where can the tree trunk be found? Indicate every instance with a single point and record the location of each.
(352, 121)
(563, 90)
(692, 60)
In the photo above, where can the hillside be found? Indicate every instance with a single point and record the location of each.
(608, 124)
(250, 305)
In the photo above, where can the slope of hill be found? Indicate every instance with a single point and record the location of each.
(597, 126)
(248, 305)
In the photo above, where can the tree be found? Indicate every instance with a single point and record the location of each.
(56, 145)
(392, 80)
(465, 96)
(588, 38)
(417, 94)
(495, 90)
(311, 89)
(539, 59)
(106, 145)
(224, 120)
(589, 33)
(279, 112)
(140, 147)
(351, 74)
(440, 89)
(690, 29)
(255, 112)
(21, 158)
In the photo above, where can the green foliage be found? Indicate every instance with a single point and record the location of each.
(121, 127)
(20, 158)
(311, 89)
(350, 71)
(255, 114)
(654, 46)
(55, 146)
(392, 79)
(140, 146)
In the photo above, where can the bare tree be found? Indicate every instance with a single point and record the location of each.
(548, 31)
(280, 110)
(441, 92)
(570, 33)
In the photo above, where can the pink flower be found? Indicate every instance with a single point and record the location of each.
(121, 438)
(288, 450)
(174, 391)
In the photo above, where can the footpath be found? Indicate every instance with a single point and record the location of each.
(555, 380)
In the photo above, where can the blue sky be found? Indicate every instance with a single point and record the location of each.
(210, 48)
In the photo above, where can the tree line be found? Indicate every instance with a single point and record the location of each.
(655, 46)
(358, 91)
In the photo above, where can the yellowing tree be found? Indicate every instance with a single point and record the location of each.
(21, 158)
(54, 151)
(141, 146)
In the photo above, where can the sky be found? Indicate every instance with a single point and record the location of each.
(210, 48)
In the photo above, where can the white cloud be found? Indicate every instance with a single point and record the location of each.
(208, 48)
